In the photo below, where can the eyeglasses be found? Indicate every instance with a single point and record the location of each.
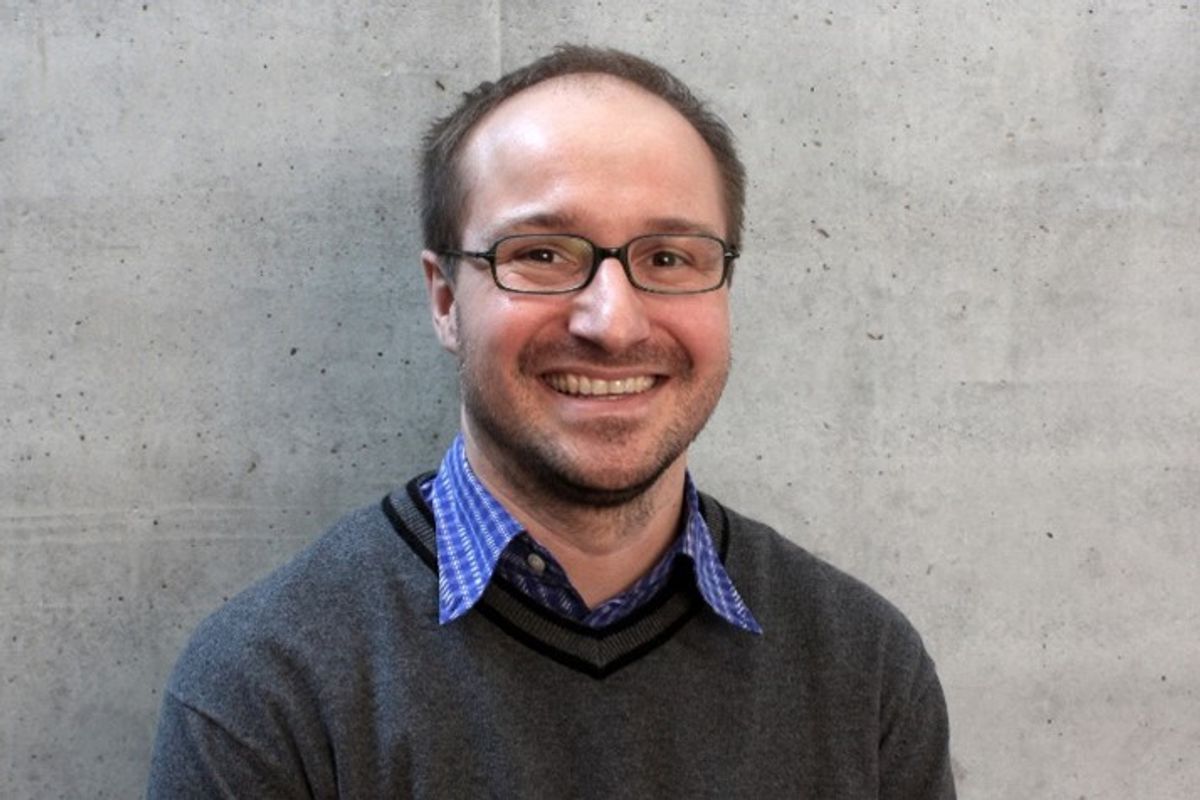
(556, 263)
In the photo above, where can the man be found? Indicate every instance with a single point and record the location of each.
(557, 612)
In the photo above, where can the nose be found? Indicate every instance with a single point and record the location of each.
(609, 311)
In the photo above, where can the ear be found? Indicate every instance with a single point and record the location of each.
(441, 301)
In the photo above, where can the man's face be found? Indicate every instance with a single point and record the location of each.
(601, 158)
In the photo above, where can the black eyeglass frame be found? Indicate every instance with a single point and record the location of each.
(599, 256)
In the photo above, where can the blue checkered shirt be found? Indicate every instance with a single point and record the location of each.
(477, 538)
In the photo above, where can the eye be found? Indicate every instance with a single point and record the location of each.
(539, 254)
(543, 255)
(668, 258)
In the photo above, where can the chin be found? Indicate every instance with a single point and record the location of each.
(604, 489)
(607, 467)
(604, 468)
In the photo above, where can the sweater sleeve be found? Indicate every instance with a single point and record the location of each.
(196, 756)
(914, 751)
(239, 718)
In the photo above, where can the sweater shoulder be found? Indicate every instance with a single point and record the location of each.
(802, 596)
(335, 587)
(757, 546)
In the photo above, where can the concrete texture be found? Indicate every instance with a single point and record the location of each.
(967, 356)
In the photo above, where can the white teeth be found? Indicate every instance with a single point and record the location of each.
(598, 387)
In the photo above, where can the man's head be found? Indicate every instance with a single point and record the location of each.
(590, 395)
(443, 191)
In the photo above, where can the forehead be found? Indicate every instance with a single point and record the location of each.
(592, 138)
(575, 104)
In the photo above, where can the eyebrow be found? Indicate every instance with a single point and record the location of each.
(569, 223)
(538, 220)
(680, 225)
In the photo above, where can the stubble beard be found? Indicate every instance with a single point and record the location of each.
(540, 466)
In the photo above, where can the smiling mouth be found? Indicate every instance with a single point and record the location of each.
(583, 386)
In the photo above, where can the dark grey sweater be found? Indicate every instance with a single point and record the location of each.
(332, 678)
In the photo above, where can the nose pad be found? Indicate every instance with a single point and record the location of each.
(610, 311)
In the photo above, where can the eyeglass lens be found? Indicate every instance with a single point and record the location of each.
(660, 262)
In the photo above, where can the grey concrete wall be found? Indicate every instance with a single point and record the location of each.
(968, 338)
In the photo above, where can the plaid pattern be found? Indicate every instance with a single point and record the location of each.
(477, 537)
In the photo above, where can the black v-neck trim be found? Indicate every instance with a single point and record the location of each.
(595, 652)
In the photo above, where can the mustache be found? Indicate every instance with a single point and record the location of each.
(660, 356)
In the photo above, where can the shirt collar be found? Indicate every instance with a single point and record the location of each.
(472, 529)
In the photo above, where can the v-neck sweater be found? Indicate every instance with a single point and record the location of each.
(332, 678)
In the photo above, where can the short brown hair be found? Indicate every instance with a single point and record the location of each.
(443, 193)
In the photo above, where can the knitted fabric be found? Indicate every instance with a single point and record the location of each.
(332, 678)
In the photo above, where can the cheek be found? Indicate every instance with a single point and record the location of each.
(478, 318)
(716, 348)
(705, 333)
(493, 334)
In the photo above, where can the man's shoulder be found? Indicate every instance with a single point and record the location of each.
(791, 589)
(355, 543)
(335, 587)
(756, 546)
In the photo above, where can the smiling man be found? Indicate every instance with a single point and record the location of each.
(556, 611)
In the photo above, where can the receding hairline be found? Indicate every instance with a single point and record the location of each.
(595, 82)
(591, 82)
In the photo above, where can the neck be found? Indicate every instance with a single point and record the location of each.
(604, 548)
